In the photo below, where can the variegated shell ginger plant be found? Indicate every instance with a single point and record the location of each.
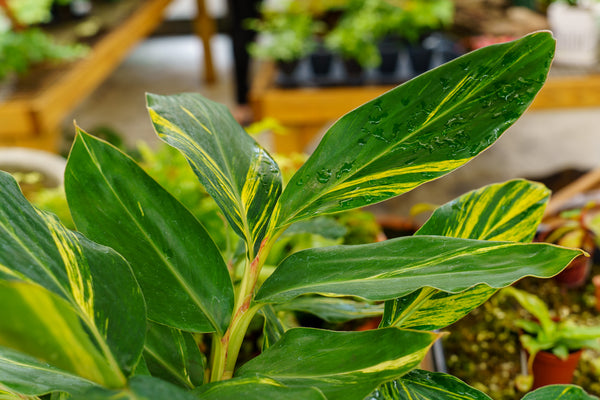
(140, 304)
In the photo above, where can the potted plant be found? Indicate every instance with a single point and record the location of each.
(553, 348)
(285, 37)
(22, 45)
(578, 227)
(141, 303)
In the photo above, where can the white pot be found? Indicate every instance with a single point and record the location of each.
(576, 32)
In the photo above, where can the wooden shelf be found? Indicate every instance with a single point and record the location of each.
(32, 118)
(304, 111)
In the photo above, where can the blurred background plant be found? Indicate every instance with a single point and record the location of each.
(23, 44)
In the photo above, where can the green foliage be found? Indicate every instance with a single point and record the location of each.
(22, 45)
(20, 50)
(365, 22)
(145, 306)
(286, 36)
(544, 333)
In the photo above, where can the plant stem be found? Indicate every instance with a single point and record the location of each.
(227, 348)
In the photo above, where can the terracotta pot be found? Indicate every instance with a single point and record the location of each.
(576, 273)
(596, 282)
(549, 369)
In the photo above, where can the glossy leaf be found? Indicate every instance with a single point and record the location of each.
(37, 322)
(397, 267)
(508, 211)
(95, 280)
(239, 174)
(174, 356)
(424, 385)
(273, 328)
(140, 388)
(343, 365)
(17, 370)
(256, 388)
(332, 310)
(420, 130)
(559, 392)
(179, 268)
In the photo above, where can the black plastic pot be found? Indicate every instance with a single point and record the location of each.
(420, 58)
(287, 68)
(390, 52)
(354, 72)
(321, 61)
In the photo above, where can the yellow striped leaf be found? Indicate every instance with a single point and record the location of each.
(178, 266)
(39, 323)
(95, 280)
(239, 174)
(408, 136)
(509, 211)
(17, 370)
(559, 392)
(426, 385)
(256, 388)
(397, 267)
(343, 365)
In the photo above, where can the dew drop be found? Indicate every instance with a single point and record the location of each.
(324, 175)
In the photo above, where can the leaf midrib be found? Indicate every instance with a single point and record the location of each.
(170, 266)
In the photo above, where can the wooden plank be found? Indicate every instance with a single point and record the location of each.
(54, 103)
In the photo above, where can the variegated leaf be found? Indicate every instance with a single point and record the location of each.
(94, 279)
(397, 267)
(425, 385)
(559, 392)
(508, 211)
(17, 370)
(332, 310)
(420, 130)
(256, 388)
(140, 388)
(239, 174)
(174, 356)
(36, 322)
(178, 266)
(343, 365)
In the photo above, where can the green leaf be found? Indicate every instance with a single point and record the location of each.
(407, 137)
(179, 268)
(140, 388)
(239, 174)
(17, 370)
(334, 310)
(256, 388)
(397, 267)
(508, 211)
(174, 356)
(422, 385)
(559, 392)
(37, 322)
(343, 365)
(95, 280)
(273, 328)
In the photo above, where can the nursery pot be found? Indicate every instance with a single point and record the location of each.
(389, 51)
(420, 58)
(576, 273)
(549, 369)
(287, 68)
(354, 71)
(321, 61)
